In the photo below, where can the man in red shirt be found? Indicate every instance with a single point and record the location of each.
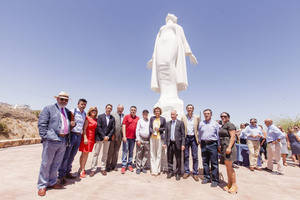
(129, 127)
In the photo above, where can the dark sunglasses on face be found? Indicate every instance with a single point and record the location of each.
(224, 116)
(61, 99)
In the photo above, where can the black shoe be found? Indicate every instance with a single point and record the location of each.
(144, 171)
(70, 176)
(267, 169)
(169, 175)
(177, 177)
(138, 171)
(62, 181)
(205, 181)
(214, 184)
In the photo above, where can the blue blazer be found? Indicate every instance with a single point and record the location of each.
(50, 123)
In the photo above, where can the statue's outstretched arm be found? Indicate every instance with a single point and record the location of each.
(187, 49)
(150, 62)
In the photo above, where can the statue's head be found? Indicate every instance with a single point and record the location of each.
(171, 17)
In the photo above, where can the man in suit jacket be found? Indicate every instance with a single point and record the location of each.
(191, 123)
(104, 132)
(55, 124)
(175, 143)
(114, 146)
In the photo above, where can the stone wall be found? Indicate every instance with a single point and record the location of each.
(18, 142)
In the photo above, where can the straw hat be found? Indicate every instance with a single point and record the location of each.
(62, 95)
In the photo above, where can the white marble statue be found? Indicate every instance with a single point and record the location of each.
(169, 66)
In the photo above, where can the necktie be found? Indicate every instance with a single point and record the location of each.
(65, 121)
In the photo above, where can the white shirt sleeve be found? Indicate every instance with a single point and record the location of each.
(137, 131)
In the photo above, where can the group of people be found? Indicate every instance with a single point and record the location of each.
(64, 132)
(258, 143)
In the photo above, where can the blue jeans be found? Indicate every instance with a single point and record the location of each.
(52, 156)
(71, 151)
(191, 142)
(209, 153)
(128, 149)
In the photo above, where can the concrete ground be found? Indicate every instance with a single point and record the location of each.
(20, 166)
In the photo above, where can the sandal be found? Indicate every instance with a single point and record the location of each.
(82, 174)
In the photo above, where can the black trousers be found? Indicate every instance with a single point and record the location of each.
(173, 150)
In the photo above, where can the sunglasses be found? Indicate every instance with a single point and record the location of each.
(62, 99)
(224, 116)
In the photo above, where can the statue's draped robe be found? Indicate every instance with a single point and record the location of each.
(180, 66)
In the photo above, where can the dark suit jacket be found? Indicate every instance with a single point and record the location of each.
(103, 129)
(179, 134)
(162, 128)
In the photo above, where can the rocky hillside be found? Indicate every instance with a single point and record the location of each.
(17, 122)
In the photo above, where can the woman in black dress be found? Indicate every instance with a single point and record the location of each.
(227, 135)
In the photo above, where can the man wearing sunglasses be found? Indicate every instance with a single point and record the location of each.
(55, 124)
(75, 139)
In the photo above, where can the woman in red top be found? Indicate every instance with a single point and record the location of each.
(88, 138)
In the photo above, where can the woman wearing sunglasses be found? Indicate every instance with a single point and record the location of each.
(228, 150)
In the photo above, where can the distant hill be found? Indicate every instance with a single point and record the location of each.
(18, 122)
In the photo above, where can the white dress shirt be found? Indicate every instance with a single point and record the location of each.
(142, 129)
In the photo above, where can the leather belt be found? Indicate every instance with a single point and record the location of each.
(209, 141)
(191, 136)
(63, 135)
(144, 139)
(76, 133)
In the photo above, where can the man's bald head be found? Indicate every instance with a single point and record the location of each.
(268, 122)
(120, 108)
(173, 114)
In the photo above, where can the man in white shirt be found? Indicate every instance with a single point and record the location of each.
(142, 143)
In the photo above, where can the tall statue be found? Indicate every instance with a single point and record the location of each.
(169, 66)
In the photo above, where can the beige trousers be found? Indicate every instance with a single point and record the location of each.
(97, 148)
(254, 147)
(273, 152)
(155, 155)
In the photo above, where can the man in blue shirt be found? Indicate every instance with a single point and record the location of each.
(253, 133)
(209, 137)
(274, 135)
(72, 148)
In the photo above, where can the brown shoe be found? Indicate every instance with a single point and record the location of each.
(186, 175)
(196, 178)
(42, 192)
(56, 186)
(92, 174)
(252, 168)
(103, 172)
(257, 168)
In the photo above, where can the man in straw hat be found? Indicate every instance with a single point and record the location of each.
(55, 123)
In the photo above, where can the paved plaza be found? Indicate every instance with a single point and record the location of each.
(20, 166)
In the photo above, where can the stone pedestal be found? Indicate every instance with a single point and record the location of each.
(167, 105)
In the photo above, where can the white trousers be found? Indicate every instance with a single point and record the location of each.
(155, 155)
(97, 148)
(274, 152)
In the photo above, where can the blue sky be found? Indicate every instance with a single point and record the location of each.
(248, 53)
